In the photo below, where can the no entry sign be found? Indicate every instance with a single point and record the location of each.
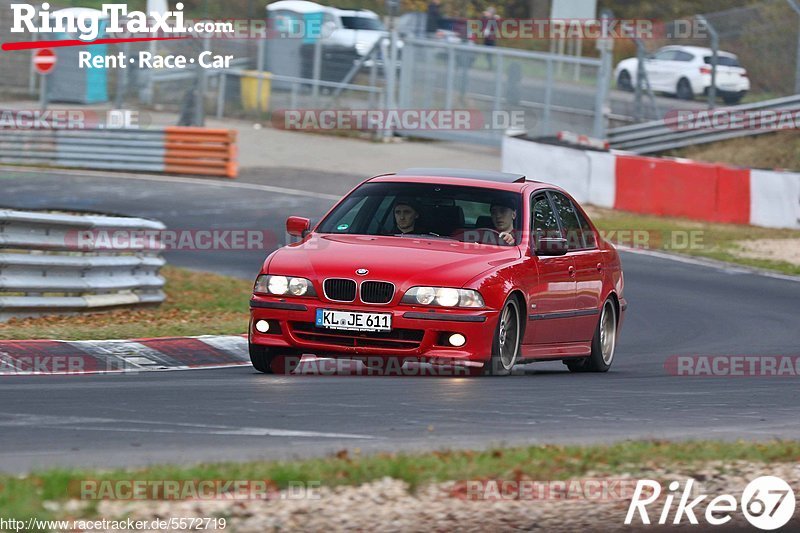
(44, 60)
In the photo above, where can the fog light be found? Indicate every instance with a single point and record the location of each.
(457, 339)
(262, 326)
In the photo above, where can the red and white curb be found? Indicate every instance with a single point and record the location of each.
(38, 357)
(58, 357)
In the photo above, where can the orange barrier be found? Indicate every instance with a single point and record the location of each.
(200, 151)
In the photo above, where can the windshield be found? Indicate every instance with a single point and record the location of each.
(362, 23)
(465, 214)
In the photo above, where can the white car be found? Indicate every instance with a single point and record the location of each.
(359, 29)
(685, 71)
(354, 29)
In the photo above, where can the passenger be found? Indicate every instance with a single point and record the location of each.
(504, 214)
(406, 216)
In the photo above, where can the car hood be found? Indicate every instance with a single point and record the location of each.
(404, 261)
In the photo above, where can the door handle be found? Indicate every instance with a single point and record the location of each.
(571, 271)
(599, 267)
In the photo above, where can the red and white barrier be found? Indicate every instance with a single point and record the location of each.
(661, 186)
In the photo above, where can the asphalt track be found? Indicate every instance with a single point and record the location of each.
(233, 414)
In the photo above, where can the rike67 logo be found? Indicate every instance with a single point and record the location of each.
(767, 502)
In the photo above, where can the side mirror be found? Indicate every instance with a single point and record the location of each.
(297, 226)
(551, 247)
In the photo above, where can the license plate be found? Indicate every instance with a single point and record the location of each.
(353, 320)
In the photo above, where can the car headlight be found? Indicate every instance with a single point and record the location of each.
(363, 47)
(283, 286)
(443, 296)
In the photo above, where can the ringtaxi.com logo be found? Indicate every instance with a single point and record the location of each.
(767, 503)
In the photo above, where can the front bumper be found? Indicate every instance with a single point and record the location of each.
(417, 331)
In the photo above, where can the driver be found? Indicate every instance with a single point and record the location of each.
(503, 214)
(406, 215)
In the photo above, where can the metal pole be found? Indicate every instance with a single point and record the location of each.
(122, 80)
(200, 94)
(147, 94)
(43, 99)
(794, 5)
(259, 69)
(406, 76)
(638, 111)
(604, 79)
(373, 77)
(221, 93)
(498, 83)
(391, 73)
(548, 97)
(451, 74)
(32, 71)
(317, 72)
(293, 96)
(712, 91)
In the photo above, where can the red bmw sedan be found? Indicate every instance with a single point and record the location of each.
(447, 266)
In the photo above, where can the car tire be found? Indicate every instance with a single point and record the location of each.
(506, 341)
(604, 343)
(684, 90)
(624, 82)
(732, 99)
(266, 361)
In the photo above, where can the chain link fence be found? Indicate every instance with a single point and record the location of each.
(537, 92)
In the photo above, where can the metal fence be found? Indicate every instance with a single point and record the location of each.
(545, 92)
(680, 131)
(49, 265)
(551, 91)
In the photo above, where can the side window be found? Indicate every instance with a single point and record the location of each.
(665, 55)
(589, 239)
(569, 220)
(544, 223)
(680, 55)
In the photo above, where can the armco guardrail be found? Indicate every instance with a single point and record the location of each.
(175, 150)
(674, 132)
(52, 263)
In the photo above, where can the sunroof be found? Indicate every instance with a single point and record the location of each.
(486, 175)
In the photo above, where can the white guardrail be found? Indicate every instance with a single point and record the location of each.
(47, 267)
